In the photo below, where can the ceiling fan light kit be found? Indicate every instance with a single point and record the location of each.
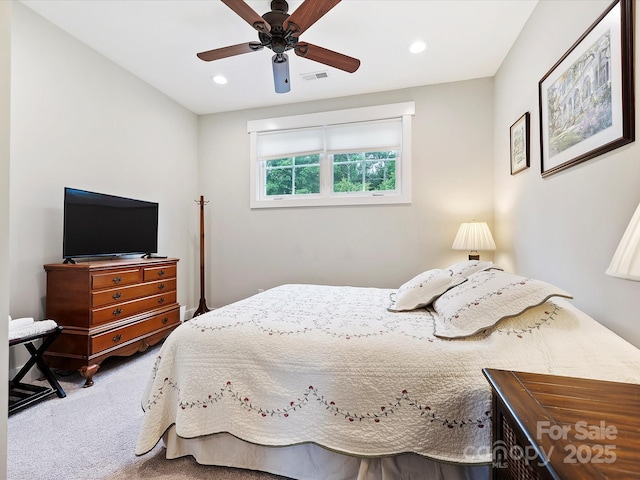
(280, 32)
(281, 81)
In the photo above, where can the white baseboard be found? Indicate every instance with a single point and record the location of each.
(188, 313)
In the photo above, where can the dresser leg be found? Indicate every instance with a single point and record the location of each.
(87, 373)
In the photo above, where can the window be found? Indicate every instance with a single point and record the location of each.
(364, 171)
(358, 156)
(298, 175)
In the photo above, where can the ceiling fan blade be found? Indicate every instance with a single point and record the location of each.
(307, 14)
(229, 51)
(328, 57)
(248, 14)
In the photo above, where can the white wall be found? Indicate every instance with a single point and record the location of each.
(5, 80)
(79, 120)
(366, 245)
(563, 228)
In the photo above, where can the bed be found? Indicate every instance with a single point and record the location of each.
(339, 382)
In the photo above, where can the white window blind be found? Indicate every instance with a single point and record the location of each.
(292, 142)
(363, 136)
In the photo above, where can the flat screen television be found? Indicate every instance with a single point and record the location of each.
(97, 224)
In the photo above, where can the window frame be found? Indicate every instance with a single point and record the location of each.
(327, 197)
(293, 167)
(396, 159)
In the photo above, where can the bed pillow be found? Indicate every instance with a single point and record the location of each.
(422, 289)
(469, 267)
(486, 298)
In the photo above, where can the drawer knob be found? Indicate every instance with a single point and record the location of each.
(161, 300)
(161, 273)
(117, 338)
(161, 286)
(117, 279)
(165, 320)
(117, 312)
(116, 295)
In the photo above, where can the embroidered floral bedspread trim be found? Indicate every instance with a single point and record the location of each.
(332, 366)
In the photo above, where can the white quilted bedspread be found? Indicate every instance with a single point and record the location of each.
(331, 366)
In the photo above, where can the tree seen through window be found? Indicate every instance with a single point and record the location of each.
(364, 172)
(293, 175)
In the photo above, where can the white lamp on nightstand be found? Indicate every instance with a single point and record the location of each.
(626, 260)
(474, 236)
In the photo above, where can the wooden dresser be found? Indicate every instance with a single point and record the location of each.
(552, 427)
(110, 307)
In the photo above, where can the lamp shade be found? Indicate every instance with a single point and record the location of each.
(474, 236)
(626, 260)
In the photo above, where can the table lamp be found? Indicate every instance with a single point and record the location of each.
(626, 261)
(474, 236)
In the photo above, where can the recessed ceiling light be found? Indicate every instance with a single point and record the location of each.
(417, 47)
(219, 79)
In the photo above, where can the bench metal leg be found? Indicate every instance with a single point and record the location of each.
(22, 394)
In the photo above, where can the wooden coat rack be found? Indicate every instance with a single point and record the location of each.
(202, 306)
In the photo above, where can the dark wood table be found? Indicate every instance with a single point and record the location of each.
(553, 427)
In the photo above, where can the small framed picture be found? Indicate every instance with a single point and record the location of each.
(519, 134)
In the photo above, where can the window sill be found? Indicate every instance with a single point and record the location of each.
(342, 200)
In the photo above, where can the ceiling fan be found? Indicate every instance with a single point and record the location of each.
(280, 32)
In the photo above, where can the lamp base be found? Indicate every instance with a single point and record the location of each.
(474, 257)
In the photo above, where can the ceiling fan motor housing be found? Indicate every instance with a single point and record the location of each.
(277, 39)
(280, 5)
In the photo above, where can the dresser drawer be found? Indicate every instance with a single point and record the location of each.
(126, 309)
(122, 335)
(159, 273)
(115, 279)
(116, 295)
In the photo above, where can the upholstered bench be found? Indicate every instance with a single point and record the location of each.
(25, 331)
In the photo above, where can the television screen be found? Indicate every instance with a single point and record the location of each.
(98, 224)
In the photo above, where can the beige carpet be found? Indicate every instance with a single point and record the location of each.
(91, 434)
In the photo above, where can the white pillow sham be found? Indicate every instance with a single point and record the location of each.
(423, 289)
(486, 298)
(469, 267)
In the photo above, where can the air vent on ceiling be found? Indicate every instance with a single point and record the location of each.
(314, 75)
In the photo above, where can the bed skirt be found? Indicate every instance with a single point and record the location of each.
(311, 462)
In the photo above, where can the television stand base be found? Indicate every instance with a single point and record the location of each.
(153, 255)
(69, 260)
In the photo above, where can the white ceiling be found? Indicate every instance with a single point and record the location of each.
(157, 40)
